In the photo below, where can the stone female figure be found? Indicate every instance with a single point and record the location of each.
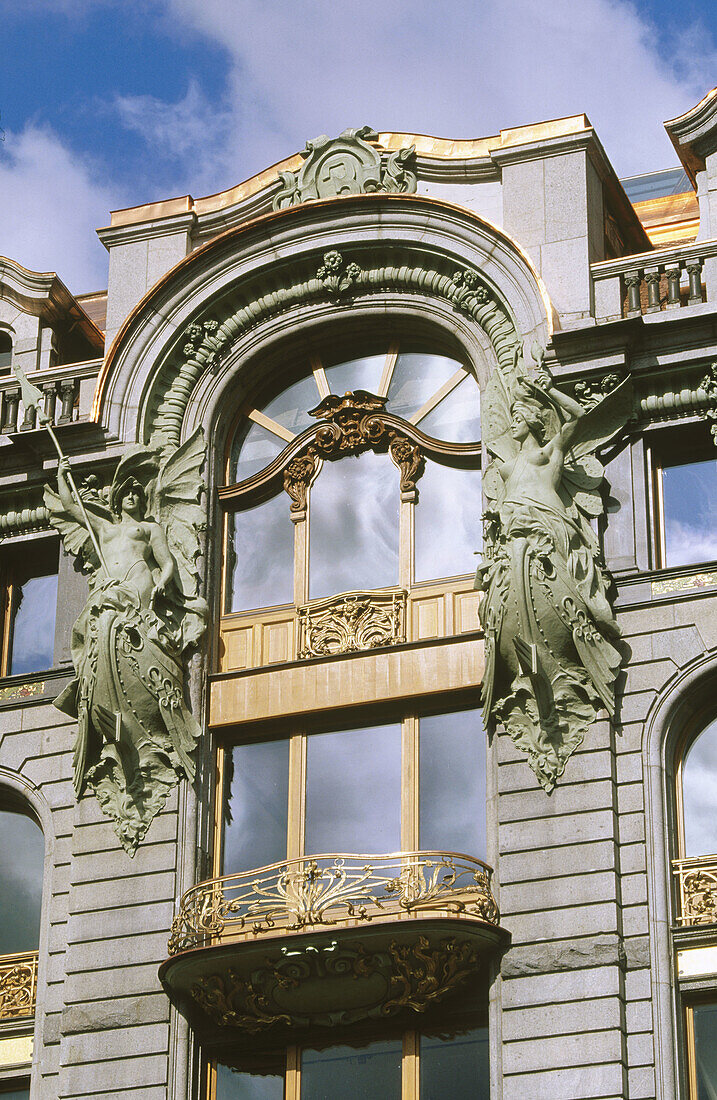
(550, 658)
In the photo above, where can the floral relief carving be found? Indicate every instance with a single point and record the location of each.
(352, 622)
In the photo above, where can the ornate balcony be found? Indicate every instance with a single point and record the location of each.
(697, 890)
(18, 986)
(330, 939)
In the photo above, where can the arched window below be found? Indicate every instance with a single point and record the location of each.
(22, 854)
(696, 906)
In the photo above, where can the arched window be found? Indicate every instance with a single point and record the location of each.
(696, 904)
(22, 854)
(5, 352)
(395, 510)
(353, 497)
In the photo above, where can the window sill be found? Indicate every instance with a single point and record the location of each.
(33, 687)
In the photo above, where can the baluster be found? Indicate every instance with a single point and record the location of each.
(28, 422)
(694, 270)
(632, 282)
(673, 288)
(68, 390)
(12, 401)
(49, 389)
(652, 278)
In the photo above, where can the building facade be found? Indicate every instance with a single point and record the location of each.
(259, 838)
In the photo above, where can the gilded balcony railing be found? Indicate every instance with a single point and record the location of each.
(18, 985)
(327, 890)
(696, 889)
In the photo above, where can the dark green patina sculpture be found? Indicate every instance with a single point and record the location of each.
(139, 543)
(550, 654)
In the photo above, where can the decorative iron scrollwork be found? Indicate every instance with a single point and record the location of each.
(328, 890)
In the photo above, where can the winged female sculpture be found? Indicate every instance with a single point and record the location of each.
(139, 544)
(550, 653)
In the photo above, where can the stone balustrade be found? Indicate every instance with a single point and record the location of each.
(653, 282)
(68, 392)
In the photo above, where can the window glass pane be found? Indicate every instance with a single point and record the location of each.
(356, 374)
(22, 856)
(353, 534)
(256, 798)
(457, 416)
(16, 1094)
(260, 572)
(699, 783)
(690, 504)
(462, 1060)
(353, 791)
(291, 407)
(448, 522)
(452, 815)
(416, 377)
(252, 450)
(33, 627)
(235, 1084)
(705, 1017)
(344, 1073)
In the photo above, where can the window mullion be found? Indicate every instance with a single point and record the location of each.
(409, 1066)
(297, 796)
(406, 527)
(409, 785)
(292, 1087)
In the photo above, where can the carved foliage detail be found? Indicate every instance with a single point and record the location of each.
(709, 385)
(18, 979)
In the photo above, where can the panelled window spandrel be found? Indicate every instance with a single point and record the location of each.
(361, 477)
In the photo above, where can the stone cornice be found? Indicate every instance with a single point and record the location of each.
(694, 133)
(44, 295)
(112, 235)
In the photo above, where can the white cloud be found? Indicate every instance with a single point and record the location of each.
(461, 69)
(56, 199)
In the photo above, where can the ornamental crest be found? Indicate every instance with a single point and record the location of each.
(350, 164)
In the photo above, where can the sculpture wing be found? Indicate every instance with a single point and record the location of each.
(582, 480)
(176, 503)
(75, 536)
(603, 421)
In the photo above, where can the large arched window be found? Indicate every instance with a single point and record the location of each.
(5, 352)
(394, 507)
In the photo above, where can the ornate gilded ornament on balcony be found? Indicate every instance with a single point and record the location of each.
(351, 164)
(351, 622)
(18, 983)
(697, 882)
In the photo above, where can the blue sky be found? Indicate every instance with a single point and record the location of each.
(109, 103)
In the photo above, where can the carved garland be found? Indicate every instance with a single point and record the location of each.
(334, 277)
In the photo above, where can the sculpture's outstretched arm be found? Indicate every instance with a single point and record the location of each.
(164, 559)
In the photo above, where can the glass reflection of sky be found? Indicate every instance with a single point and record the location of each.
(22, 855)
(237, 1085)
(462, 1060)
(699, 783)
(372, 1072)
(416, 377)
(690, 504)
(253, 452)
(353, 533)
(263, 573)
(356, 374)
(448, 522)
(452, 798)
(258, 804)
(457, 416)
(705, 1019)
(291, 407)
(33, 633)
(16, 1094)
(353, 791)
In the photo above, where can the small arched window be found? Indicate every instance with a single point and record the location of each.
(5, 352)
(698, 794)
(22, 854)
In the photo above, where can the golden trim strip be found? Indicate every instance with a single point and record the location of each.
(271, 425)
